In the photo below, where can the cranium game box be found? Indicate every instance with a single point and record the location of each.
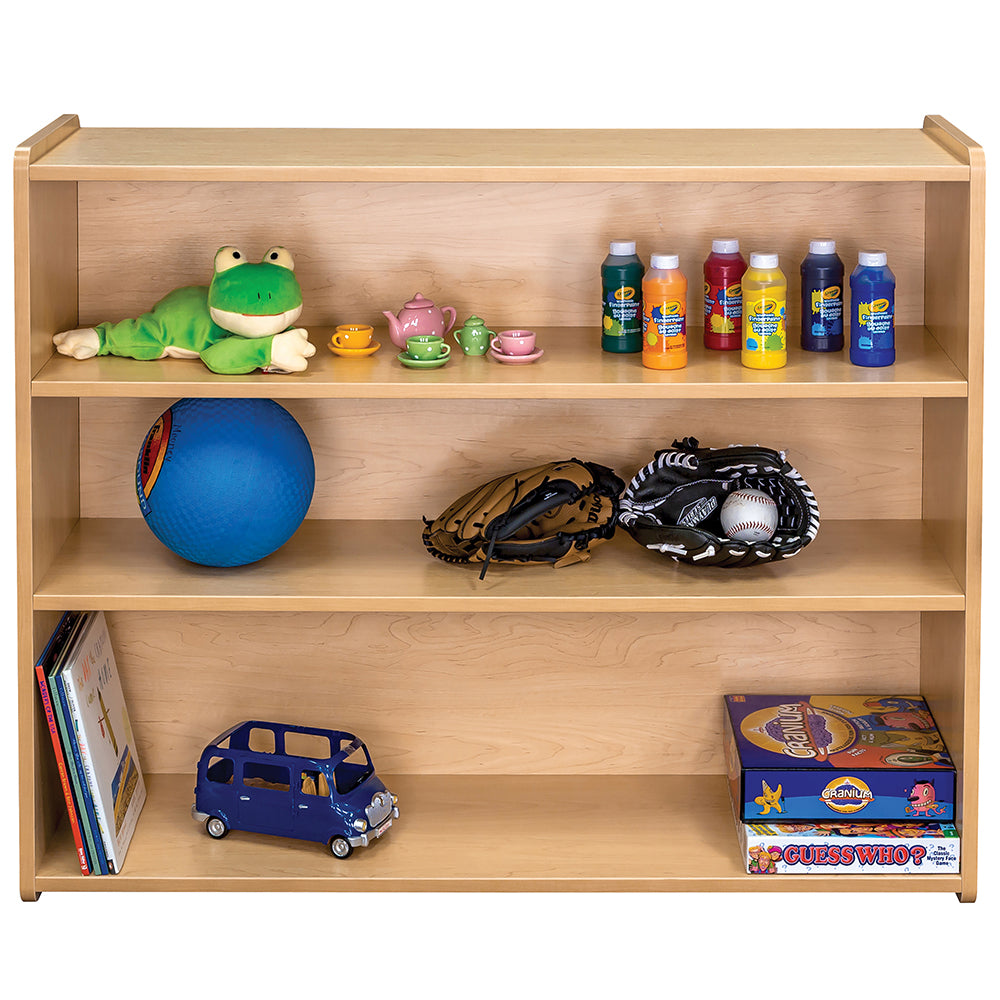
(848, 758)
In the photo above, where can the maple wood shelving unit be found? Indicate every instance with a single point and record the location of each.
(544, 729)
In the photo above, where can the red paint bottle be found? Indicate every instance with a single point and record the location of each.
(724, 271)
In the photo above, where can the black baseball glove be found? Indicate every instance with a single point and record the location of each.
(672, 505)
(555, 513)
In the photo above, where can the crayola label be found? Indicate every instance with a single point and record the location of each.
(827, 304)
(876, 322)
(723, 307)
(664, 324)
(764, 323)
(622, 308)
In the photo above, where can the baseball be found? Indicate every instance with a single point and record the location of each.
(749, 516)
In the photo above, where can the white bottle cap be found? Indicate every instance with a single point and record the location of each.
(725, 246)
(822, 246)
(623, 248)
(766, 261)
(664, 261)
(872, 258)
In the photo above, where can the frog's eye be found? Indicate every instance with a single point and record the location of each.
(228, 257)
(279, 256)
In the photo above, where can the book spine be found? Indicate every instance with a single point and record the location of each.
(98, 844)
(105, 823)
(61, 765)
(75, 777)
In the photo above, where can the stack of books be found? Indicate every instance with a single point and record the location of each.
(824, 784)
(92, 739)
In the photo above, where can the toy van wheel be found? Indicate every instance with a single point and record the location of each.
(340, 848)
(217, 829)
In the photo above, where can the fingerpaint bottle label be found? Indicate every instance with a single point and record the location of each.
(875, 325)
(827, 310)
(664, 334)
(724, 309)
(622, 305)
(764, 330)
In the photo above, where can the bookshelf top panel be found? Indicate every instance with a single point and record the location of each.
(498, 154)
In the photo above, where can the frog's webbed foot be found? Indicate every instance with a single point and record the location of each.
(290, 351)
(79, 344)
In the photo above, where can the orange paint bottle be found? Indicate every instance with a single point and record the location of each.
(664, 314)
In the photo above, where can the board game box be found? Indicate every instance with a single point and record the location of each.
(820, 758)
(849, 848)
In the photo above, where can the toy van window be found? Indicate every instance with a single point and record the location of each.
(260, 774)
(220, 770)
(315, 783)
(352, 771)
(309, 745)
(261, 740)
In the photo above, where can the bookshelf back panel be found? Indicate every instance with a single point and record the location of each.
(514, 253)
(389, 459)
(494, 693)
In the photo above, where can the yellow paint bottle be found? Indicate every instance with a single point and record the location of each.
(765, 295)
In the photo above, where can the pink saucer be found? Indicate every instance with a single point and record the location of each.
(515, 359)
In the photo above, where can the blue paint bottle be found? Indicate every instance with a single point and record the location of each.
(822, 275)
(873, 312)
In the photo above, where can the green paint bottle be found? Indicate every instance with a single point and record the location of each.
(621, 296)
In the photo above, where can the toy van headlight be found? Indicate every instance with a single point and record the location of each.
(360, 825)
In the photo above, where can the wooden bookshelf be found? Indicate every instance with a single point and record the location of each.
(545, 729)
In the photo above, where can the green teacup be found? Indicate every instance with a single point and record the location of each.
(474, 337)
(427, 347)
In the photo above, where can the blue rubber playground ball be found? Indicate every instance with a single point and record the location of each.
(225, 482)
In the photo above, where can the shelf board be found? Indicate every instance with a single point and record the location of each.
(619, 833)
(573, 367)
(117, 564)
(137, 154)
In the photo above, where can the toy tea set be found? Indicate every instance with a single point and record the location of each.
(420, 329)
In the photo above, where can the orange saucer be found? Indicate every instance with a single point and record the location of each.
(355, 352)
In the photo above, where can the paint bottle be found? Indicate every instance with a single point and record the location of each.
(664, 314)
(822, 274)
(873, 311)
(621, 295)
(724, 269)
(765, 294)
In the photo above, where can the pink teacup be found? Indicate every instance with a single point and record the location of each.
(516, 343)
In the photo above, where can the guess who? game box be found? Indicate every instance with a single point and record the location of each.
(817, 758)
(852, 848)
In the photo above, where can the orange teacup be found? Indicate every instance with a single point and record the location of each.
(353, 336)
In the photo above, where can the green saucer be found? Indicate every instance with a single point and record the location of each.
(410, 362)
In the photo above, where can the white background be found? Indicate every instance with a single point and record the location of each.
(628, 64)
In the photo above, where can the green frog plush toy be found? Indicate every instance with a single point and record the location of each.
(241, 322)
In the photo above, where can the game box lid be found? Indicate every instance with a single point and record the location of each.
(840, 732)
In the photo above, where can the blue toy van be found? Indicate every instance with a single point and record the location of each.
(292, 781)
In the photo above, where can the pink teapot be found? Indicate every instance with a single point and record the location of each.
(418, 317)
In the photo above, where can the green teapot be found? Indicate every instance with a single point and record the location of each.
(474, 336)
